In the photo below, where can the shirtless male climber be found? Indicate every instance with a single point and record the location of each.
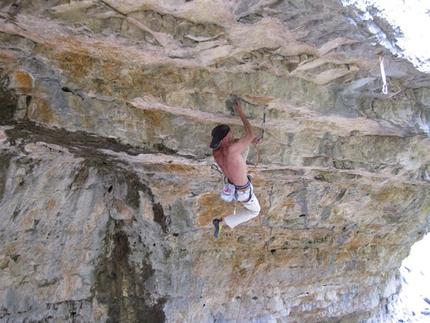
(227, 152)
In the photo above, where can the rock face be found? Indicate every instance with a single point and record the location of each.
(106, 186)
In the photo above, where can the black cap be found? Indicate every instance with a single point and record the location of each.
(218, 134)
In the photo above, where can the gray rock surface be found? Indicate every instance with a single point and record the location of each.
(106, 187)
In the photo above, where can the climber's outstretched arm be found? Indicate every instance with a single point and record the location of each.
(241, 144)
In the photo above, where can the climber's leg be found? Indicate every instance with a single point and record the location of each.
(251, 209)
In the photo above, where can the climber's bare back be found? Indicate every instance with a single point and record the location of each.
(232, 164)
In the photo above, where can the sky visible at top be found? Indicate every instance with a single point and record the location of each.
(412, 17)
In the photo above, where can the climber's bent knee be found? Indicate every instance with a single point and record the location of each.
(252, 205)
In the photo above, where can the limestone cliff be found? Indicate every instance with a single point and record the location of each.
(106, 187)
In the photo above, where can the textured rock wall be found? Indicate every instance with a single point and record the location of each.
(107, 194)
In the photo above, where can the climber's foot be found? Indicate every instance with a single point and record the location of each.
(217, 226)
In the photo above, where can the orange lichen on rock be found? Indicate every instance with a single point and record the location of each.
(40, 111)
(23, 81)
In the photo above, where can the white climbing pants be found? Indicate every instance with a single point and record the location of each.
(251, 208)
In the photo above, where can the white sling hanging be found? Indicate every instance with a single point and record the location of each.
(384, 79)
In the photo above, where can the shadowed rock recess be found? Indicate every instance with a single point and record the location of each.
(106, 187)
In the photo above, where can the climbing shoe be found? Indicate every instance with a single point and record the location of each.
(217, 227)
